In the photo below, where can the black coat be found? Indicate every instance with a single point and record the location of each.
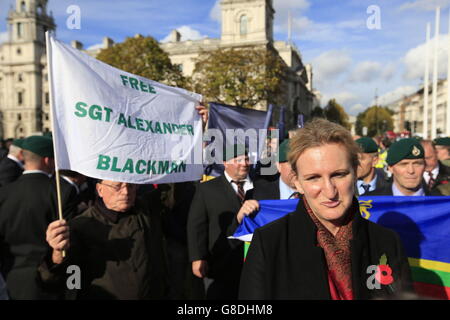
(387, 191)
(443, 176)
(120, 255)
(9, 171)
(284, 261)
(381, 182)
(267, 191)
(27, 206)
(212, 218)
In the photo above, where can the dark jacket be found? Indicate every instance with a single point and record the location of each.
(267, 191)
(443, 176)
(284, 261)
(381, 183)
(212, 218)
(120, 255)
(27, 206)
(9, 171)
(387, 191)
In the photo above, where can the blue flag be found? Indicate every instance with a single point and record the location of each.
(223, 117)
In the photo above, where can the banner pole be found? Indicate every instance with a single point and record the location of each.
(52, 118)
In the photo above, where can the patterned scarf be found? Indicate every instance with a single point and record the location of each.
(337, 254)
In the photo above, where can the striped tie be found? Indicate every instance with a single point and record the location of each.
(241, 192)
(432, 181)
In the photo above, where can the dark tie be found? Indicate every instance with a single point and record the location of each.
(431, 181)
(366, 187)
(295, 195)
(241, 192)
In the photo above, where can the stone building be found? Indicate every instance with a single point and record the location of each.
(408, 111)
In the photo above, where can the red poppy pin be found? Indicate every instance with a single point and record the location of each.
(384, 272)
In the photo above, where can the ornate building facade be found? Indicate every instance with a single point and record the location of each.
(24, 93)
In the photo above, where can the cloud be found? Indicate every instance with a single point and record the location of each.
(414, 59)
(187, 33)
(388, 71)
(344, 98)
(330, 65)
(366, 71)
(96, 46)
(215, 14)
(3, 36)
(394, 95)
(357, 108)
(428, 5)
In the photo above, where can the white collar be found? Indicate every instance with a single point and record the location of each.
(227, 176)
(37, 171)
(13, 158)
(396, 191)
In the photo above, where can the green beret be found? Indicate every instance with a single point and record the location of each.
(40, 145)
(234, 151)
(367, 145)
(48, 134)
(18, 142)
(404, 149)
(442, 141)
(283, 151)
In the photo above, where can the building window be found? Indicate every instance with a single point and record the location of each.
(47, 98)
(19, 98)
(19, 30)
(23, 6)
(46, 116)
(20, 77)
(19, 51)
(19, 117)
(243, 25)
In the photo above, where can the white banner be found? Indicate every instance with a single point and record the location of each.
(113, 125)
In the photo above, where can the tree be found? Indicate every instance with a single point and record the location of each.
(377, 119)
(317, 112)
(144, 57)
(242, 77)
(335, 112)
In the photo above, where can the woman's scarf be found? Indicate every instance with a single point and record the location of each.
(337, 254)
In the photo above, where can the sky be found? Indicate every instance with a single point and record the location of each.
(358, 49)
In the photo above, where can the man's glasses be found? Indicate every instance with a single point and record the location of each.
(119, 187)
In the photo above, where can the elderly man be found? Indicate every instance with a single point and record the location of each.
(406, 161)
(27, 206)
(369, 177)
(117, 243)
(11, 167)
(212, 217)
(443, 150)
(435, 173)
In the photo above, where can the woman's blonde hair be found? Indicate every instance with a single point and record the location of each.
(319, 132)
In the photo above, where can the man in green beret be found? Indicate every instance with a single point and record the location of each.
(435, 173)
(369, 177)
(406, 162)
(443, 150)
(212, 218)
(27, 206)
